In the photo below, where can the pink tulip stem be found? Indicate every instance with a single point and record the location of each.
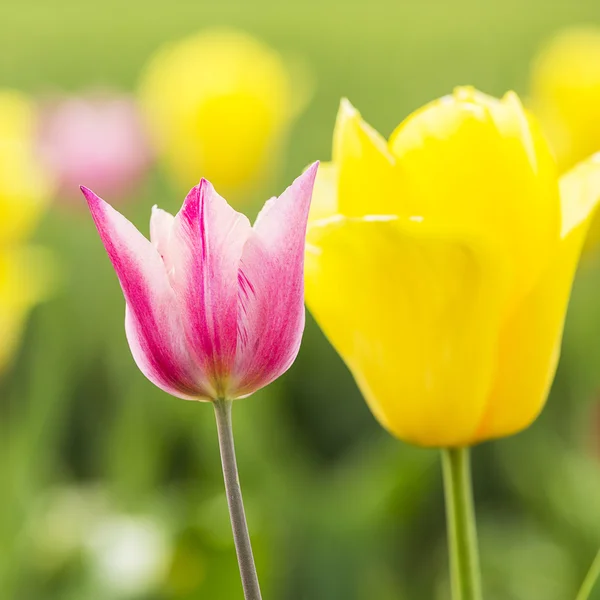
(233, 490)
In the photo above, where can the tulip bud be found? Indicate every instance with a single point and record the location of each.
(214, 306)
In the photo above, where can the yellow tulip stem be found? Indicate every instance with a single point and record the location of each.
(233, 490)
(462, 533)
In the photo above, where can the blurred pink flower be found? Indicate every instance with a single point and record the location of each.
(214, 306)
(96, 139)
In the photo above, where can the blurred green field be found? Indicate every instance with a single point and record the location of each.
(338, 509)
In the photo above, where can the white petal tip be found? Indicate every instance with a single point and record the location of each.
(347, 109)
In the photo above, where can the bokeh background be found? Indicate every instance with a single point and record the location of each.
(109, 489)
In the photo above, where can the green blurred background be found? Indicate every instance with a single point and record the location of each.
(113, 490)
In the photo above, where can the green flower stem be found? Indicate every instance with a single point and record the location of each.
(241, 536)
(462, 534)
(590, 579)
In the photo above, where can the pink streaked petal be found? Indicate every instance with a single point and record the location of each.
(271, 289)
(206, 246)
(154, 329)
(148, 365)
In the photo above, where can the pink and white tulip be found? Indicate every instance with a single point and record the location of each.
(214, 305)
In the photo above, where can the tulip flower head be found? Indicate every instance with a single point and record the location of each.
(565, 95)
(116, 161)
(439, 264)
(214, 306)
(25, 189)
(220, 103)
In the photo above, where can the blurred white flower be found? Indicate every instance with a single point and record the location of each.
(62, 522)
(130, 555)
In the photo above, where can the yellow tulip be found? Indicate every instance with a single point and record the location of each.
(24, 184)
(219, 105)
(25, 277)
(24, 192)
(439, 264)
(565, 95)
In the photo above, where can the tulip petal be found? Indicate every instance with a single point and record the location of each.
(367, 177)
(206, 246)
(25, 185)
(271, 288)
(437, 307)
(153, 327)
(324, 196)
(161, 225)
(475, 162)
(565, 93)
(27, 275)
(530, 341)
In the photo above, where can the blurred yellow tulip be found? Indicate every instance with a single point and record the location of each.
(24, 281)
(565, 95)
(219, 105)
(439, 264)
(24, 192)
(24, 185)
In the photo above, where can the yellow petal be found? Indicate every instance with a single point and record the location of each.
(324, 197)
(530, 342)
(24, 186)
(26, 275)
(565, 93)
(414, 314)
(583, 188)
(472, 161)
(367, 180)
